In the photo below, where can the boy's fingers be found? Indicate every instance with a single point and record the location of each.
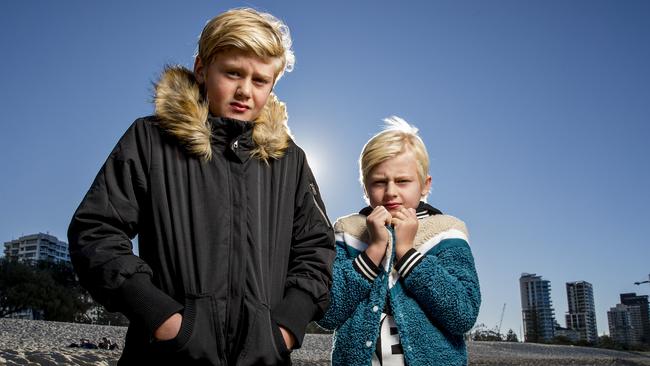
(375, 212)
(402, 214)
(387, 219)
(380, 214)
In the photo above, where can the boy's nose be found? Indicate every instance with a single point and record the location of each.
(391, 189)
(243, 90)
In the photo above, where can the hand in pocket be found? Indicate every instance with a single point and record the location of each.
(289, 339)
(169, 328)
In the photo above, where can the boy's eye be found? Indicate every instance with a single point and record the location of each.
(232, 73)
(260, 82)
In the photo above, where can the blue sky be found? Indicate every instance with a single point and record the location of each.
(535, 114)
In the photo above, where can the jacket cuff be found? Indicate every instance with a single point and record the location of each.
(294, 313)
(146, 303)
(364, 265)
(408, 261)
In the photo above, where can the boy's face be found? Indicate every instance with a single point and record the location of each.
(395, 183)
(237, 83)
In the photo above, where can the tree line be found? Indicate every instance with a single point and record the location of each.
(51, 291)
(482, 333)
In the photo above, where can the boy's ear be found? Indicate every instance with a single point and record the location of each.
(365, 194)
(427, 186)
(199, 70)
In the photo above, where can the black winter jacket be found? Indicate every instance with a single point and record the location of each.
(235, 244)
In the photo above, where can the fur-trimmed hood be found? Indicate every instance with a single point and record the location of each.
(183, 113)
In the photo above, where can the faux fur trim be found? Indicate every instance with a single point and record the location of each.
(183, 113)
(271, 132)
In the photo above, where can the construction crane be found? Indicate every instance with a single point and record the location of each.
(646, 281)
(503, 310)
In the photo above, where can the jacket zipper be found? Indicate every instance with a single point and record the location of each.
(314, 193)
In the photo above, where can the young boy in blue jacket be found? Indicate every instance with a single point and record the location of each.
(405, 289)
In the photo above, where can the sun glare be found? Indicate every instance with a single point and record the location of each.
(317, 161)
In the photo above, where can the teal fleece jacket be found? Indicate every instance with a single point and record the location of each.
(433, 289)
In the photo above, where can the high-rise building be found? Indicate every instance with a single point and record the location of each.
(621, 320)
(582, 311)
(36, 247)
(536, 308)
(643, 323)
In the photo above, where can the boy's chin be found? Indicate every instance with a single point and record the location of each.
(249, 117)
(238, 117)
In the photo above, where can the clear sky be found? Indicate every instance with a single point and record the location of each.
(536, 115)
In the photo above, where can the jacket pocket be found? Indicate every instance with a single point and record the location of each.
(198, 340)
(264, 344)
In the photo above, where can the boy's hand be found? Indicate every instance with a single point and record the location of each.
(376, 222)
(169, 328)
(289, 339)
(406, 224)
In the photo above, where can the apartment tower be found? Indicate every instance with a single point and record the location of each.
(536, 308)
(582, 311)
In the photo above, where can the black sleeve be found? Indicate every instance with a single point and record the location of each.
(101, 230)
(309, 276)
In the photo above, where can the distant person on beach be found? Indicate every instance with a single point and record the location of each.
(235, 248)
(405, 288)
(106, 343)
(87, 344)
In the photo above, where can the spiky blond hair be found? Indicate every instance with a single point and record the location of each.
(396, 137)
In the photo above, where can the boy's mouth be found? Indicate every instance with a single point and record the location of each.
(391, 206)
(239, 107)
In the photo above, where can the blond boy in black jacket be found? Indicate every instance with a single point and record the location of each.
(235, 248)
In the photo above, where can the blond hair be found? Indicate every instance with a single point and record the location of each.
(398, 136)
(248, 30)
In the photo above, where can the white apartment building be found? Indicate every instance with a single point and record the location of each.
(36, 247)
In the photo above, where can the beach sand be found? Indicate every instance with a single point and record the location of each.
(35, 342)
